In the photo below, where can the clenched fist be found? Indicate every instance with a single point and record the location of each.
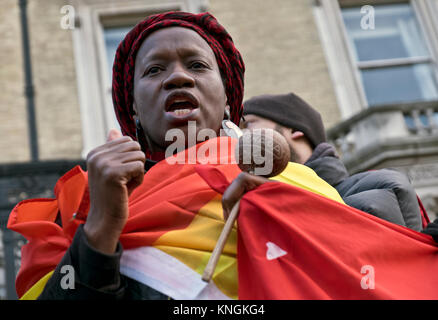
(115, 169)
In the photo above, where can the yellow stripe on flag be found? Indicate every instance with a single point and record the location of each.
(194, 244)
(34, 292)
(304, 177)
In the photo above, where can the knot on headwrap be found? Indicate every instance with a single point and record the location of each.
(228, 58)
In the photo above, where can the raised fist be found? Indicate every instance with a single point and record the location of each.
(115, 169)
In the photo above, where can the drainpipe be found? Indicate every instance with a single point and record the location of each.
(29, 88)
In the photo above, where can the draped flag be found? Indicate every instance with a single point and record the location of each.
(328, 251)
(295, 239)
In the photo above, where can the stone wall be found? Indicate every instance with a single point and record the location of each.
(56, 102)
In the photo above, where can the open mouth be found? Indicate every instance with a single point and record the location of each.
(181, 103)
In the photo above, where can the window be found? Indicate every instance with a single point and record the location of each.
(393, 59)
(113, 36)
(394, 62)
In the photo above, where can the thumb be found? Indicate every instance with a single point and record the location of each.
(113, 135)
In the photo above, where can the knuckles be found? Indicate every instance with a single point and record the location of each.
(105, 163)
(243, 179)
(134, 145)
(92, 160)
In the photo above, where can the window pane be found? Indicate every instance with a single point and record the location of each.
(399, 84)
(410, 123)
(396, 33)
(113, 36)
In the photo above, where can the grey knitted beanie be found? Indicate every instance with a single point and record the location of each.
(290, 111)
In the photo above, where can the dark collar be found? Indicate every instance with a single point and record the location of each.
(325, 162)
(149, 164)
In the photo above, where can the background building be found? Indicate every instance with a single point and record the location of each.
(370, 68)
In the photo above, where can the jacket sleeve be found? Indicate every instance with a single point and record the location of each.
(89, 274)
(380, 203)
(385, 193)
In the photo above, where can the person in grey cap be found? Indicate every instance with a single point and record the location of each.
(384, 193)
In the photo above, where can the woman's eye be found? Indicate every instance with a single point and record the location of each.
(152, 71)
(198, 65)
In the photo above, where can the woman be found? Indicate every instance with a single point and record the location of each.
(170, 69)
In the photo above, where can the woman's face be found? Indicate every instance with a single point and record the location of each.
(177, 80)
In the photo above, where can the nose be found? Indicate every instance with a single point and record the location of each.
(179, 78)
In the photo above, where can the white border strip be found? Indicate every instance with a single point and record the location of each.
(167, 275)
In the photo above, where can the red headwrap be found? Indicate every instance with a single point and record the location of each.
(228, 58)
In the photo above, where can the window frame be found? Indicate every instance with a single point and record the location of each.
(93, 78)
(343, 66)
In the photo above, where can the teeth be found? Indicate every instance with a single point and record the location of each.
(180, 112)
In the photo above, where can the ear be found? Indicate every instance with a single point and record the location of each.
(227, 114)
(297, 134)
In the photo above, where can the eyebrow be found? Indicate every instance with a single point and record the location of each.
(160, 54)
